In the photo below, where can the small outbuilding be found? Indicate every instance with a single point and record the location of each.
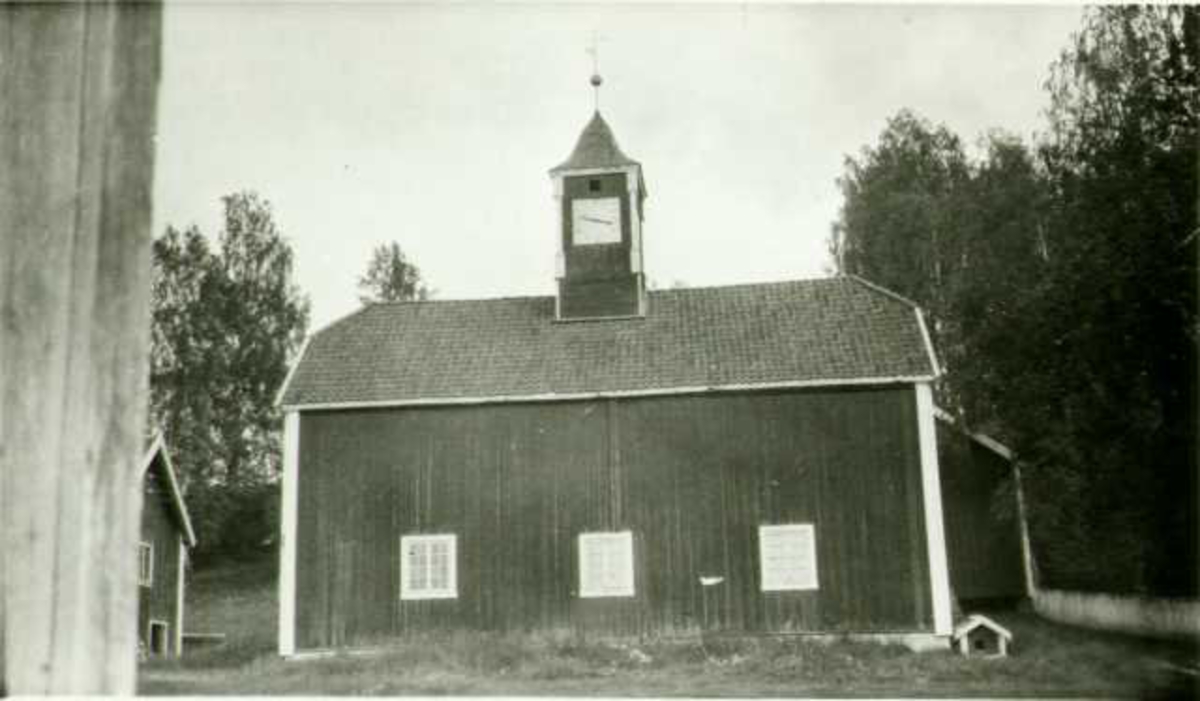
(166, 535)
(980, 636)
(986, 540)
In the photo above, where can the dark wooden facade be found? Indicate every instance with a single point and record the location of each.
(983, 530)
(160, 601)
(692, 476)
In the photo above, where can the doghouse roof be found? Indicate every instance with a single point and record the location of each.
(979, 621)
(835, 331)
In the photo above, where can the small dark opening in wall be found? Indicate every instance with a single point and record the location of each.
(593, 185)
(158, 638)
(980, 644)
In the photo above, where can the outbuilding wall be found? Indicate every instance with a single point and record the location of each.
(691, 476)
(159, 601)
(983, 530)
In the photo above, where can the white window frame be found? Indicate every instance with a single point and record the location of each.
(450, 590)
(776, 580)
(617, 544)
(145, 564)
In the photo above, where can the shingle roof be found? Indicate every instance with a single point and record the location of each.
(596, 148)
(811, 331)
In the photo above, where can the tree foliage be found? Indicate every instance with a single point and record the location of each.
(957, 237)
(225, 324)
(1061, 277)
(391, 277)
(1108, 411)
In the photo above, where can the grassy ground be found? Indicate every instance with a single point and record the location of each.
(1047, 660)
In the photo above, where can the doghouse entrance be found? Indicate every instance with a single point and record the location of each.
(158, 638)
(984, 642)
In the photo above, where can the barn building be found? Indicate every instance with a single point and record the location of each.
(613, 460)
(166, 535)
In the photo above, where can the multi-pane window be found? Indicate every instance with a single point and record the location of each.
(145, 564)
(788, 554)
(428, 567)
(606, 564)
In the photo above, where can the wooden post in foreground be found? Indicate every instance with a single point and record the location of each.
(78, 89)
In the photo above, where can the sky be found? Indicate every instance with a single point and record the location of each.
(434, 126)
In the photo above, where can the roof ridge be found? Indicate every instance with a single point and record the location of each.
(414, 302)
(727, 286)
(503, 298)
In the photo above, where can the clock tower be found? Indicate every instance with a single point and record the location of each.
(598, 195)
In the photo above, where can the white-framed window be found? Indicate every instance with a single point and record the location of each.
(788, 555)
(606, 564)
(429, 566)
(145, 564)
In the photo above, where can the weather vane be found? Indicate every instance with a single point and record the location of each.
(594, 50)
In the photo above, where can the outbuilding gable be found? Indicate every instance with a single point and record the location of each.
(156, 464)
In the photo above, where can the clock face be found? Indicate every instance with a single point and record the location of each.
(596, 220)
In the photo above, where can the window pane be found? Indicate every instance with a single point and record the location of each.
(145, 563)
(418, 569)
(439, 574)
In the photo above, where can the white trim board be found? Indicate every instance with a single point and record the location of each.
(615, 394)
(935, 529)
(1031, 587)
(179, 589)
(287, 536)
(562, 173)
(933, 361)
(287, 379)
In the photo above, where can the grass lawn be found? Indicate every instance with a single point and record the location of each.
(1046, 660)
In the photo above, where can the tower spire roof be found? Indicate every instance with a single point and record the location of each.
(596, 148)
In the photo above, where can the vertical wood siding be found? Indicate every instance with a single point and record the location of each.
(159, 601)
(692, 477)
(983, 535)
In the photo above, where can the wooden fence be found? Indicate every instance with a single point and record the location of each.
(1160, 618)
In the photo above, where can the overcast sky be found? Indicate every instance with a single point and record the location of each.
(435, 126)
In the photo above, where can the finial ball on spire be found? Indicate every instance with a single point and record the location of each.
(596, 80)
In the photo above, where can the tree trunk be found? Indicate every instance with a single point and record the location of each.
(77, 118)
